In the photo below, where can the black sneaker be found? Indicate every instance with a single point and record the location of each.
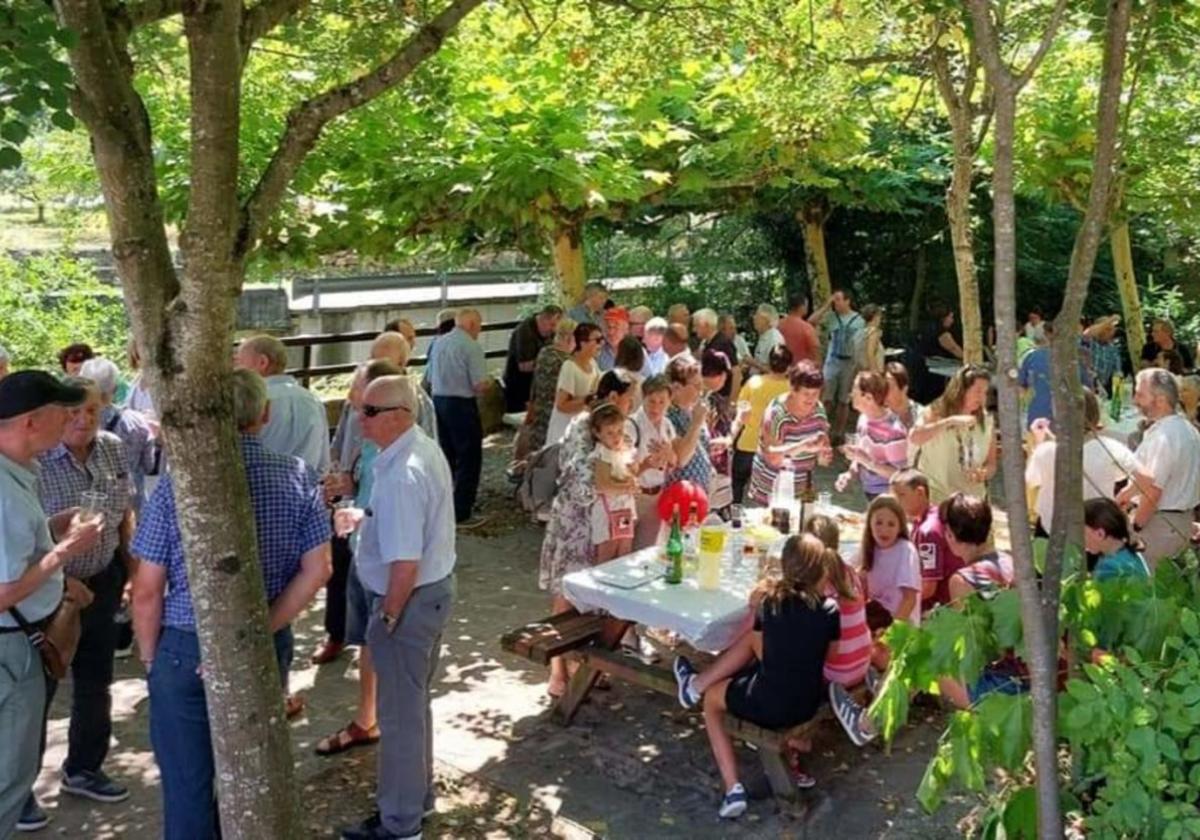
(94, 785)
(32, 818)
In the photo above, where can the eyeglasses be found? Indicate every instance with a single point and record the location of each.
(376, 410)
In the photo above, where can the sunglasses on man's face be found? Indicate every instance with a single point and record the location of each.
(375, 410)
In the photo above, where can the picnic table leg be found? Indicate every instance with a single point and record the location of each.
(778, 776)
(582, 681)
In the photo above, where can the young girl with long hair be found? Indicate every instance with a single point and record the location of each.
(771, 676)
(891, 566)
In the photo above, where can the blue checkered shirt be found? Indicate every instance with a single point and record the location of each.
(699, 469)
(62, 479)
(290, 519)
(141, 451)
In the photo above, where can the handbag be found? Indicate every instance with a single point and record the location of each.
(57, 637)
(620, 521)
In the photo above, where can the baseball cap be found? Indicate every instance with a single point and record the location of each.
(617, 313)
(29, 390)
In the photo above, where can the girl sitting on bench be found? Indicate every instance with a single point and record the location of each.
(771, 677)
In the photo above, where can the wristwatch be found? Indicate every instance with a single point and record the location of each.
(389, 621)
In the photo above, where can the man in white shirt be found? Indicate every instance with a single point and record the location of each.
(1170, 452)
(405, 560)
(298, 424)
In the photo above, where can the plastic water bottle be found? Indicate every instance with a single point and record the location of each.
(737, 540)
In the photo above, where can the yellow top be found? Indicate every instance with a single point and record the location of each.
(758, 391)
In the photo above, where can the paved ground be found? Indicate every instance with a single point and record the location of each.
(633, 765)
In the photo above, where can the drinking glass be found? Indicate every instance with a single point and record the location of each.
(824, 500)
(91, 505)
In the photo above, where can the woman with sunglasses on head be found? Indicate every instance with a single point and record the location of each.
(576, 381)
(955, 442)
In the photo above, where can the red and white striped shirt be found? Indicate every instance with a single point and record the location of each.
(848, 657)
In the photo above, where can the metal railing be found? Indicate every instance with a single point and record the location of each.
(307, 371)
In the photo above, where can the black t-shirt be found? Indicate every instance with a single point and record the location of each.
(1151, 350)
(796, 638)
(523, 346)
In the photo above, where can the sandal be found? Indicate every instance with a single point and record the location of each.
(293, 706)
(349, 736)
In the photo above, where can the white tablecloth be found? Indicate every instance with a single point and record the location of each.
(709, 620)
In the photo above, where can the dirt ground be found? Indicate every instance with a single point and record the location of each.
(633, 765)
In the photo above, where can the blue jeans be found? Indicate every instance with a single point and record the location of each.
(180, 735)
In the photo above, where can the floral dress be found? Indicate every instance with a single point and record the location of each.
(567, 546)
(545, 383)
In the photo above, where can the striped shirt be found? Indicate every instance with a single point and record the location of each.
(849, 656)
(781, 426)
(885, 442)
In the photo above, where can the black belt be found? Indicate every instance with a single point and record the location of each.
(843, 358)
(1173, 511)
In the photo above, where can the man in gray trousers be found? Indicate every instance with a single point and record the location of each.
(405, 559)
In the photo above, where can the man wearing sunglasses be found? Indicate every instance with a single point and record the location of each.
(405, 560)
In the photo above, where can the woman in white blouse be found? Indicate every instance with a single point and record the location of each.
(576, 381)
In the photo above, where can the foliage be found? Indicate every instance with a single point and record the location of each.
(34, 81)
(1128, 722)
(51, 300)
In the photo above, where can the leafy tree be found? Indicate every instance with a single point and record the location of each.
(33, 78)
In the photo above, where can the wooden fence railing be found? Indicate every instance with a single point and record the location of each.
(307, 371)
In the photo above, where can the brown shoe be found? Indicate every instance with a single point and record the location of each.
(328, 652)
(294, 706)
(349, 736)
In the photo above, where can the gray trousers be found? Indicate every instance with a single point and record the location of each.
(1165, 535)
(22, 696)
(405, 661)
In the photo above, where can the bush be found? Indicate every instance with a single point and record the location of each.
(52, 300)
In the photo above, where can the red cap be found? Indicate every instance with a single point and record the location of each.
(617, 313)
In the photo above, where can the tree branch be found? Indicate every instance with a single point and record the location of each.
(306, 122)
(149, 11)
(1048, 36)
(265, 16)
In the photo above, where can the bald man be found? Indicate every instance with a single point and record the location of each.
(458, 378)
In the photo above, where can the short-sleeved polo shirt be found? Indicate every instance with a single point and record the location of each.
(461, 365)
(61, 481)
(290, 519)
(24, 540)
(411, 514)
(297, 424)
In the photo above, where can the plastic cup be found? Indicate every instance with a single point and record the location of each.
(91, 504)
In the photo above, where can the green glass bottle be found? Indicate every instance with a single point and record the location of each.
(675, 551)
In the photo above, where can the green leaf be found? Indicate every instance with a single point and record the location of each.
(63, 120)
(1020, 814)
(10, 158)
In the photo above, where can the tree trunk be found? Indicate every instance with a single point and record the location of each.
(1041, 640)
(921, 275)
(568, 261)
(958, 214)
(813, 217)
(1131, 304)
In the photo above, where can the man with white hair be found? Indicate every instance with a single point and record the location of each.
(704, 325)
(639, 316)
(459, 377)
(291, 526)
(142, 450)
(298, 424)
(391, 346)
(33, 413)
(766, 324)
(405, 560)
(3, 362)
(652, 340)
(1170, 453)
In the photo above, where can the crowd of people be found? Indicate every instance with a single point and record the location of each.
(621, 403)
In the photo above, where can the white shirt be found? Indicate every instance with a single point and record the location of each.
(578, 383)
(411, 516)
(647, 434)
(1170, 451)
(767, 341)
(298, 425)
(1105, 462)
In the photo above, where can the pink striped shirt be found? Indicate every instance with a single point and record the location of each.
(885, 442)
(848, 657)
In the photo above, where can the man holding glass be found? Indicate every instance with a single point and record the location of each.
(405, 560)
(33, 413)
(292, 528)
(88, 468)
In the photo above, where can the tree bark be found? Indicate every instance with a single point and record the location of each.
(813, 217)
(569, 268)
(1040, 635)
(1131, 303)
(962, 113)
(1067, 388)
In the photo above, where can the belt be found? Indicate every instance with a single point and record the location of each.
(652, 491)
(4, 630)
(1173, 511)
(843, 358)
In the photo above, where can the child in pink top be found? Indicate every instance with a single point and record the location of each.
(848, 658)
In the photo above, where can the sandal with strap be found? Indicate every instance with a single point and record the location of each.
(349, 736)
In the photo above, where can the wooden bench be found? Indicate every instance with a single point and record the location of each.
(591, 641)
